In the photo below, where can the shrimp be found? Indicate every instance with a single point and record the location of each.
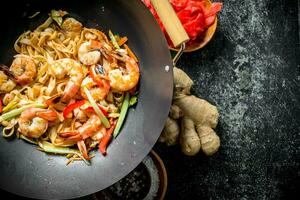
(71, 24)
(89, 52)
(23, 69)
(98, 92)
(33, 122)
(6, 84)
(68, 67)
(91, 128)
(124, 79)
(88, 129)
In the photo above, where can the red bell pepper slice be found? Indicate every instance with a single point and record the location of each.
(71, 107)
(91, 109)
(104, 141)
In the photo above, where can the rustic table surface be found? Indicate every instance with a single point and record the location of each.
(250, 71)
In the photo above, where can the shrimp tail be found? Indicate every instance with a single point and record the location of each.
(88, 132)
(23, 79)
(71, 89)
(71, 136)
(95, 44)
(48, 115)
(6, 70)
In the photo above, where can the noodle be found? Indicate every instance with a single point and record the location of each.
(47, 105)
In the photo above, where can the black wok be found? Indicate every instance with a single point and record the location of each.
(31, 173)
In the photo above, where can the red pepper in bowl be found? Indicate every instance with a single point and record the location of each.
(195, 15)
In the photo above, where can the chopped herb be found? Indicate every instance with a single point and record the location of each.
(133, 100)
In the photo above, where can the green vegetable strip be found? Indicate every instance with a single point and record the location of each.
(103, 119)
(28, 139)
(9, 106)
(15, 112)
(123, 113)
(49, 148)
(57, 15)
(113, 40)
(45, 25)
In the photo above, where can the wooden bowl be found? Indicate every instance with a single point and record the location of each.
(162, 173)
(206, 37)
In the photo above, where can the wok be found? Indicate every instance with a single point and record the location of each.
(31, 173)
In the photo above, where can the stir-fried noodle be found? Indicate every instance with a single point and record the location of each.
(65, 88)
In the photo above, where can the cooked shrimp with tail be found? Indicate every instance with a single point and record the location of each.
(33, 122)
(89, 52)
(23, 69)
(72, 70)
(125, 78)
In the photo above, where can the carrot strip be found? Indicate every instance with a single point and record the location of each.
(130, 53)
(122, 41)
(83, 150)
(106, 139)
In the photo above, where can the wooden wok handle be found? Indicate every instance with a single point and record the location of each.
(170, 21)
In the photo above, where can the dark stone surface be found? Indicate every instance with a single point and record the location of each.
(250, 71)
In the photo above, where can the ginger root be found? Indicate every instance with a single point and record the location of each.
(199, 110)
(189, 139)
(170, 132)
(182, 82)
(194, 112)
(175, 112)
(210, 141)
